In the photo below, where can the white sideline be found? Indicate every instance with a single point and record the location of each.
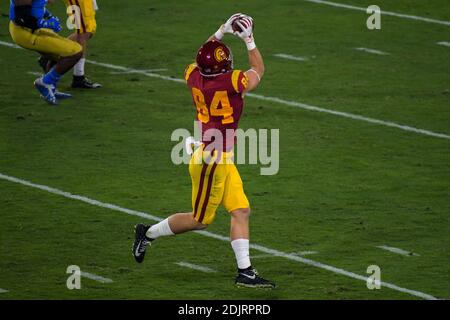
(277, 100)
(398, 251)
(387, 13)
(444, 43)
(3, 290)
(290, 57)
(214, 236)
(195, 267)
(95, 277)
(381, 53)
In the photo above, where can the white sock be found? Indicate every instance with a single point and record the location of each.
(78, 69)
(242, 252)
(160, 229)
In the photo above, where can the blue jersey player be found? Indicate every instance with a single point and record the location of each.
(33, 27)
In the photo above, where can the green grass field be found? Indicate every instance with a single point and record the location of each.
(345, 186)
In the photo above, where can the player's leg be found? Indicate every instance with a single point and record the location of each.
(79, 76)
(67, 54)
(49, 43)
(208, 181)
(175, 224)
(86, 30)
(236, 202)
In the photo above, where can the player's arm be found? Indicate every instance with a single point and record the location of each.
(256, 71)
(22, 14)
(23, 17)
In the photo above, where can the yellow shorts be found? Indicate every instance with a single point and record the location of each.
(44, 41)
(86, 22)
(213, 184)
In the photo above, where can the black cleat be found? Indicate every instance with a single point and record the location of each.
(141, 242)
(81, 82)
(249, 278)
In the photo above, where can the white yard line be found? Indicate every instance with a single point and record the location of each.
(131, 70)
(387, 13)
(214, 236)
(3, 290)
(134, 71)
(351, 116)
(261, 256)
(290, 57)
(378, 52)
(305, 253)
(444, 43)
(195, 267)
(300, 253)
(34, 73)
(398, 251)
(95, 277)
(9, 44)
(282, 101)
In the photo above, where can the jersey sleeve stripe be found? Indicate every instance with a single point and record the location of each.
(235, 78)
(189, 70)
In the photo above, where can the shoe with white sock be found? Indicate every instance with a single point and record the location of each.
(47, 91)
(81, 82)
(141, 242)
(249, 278)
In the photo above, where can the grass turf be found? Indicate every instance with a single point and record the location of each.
(343, 188)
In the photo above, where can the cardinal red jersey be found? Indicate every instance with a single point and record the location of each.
(219, 102)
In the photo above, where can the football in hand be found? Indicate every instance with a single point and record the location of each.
(236, 27)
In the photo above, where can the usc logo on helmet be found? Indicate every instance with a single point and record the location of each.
(220, 54)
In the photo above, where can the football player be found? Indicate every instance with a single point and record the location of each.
(86, 30)
(33, 27)
(82, 13)
(218, 93)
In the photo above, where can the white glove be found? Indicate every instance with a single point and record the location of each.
(227, 26)
(190, 143)
(246, 24)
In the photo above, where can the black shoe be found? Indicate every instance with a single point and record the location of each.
(249, 278)
(141, 242)
(81, 82)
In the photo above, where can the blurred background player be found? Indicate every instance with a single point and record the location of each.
(33, 27)
(86, 30)
(82, 14)
(218, 94)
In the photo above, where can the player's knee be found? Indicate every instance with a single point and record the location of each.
(196, 225)
(74, 53)
(79, 49)
(76, 56)
(199, 225)
(87, 36)
(243, 213)
(83, 38)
